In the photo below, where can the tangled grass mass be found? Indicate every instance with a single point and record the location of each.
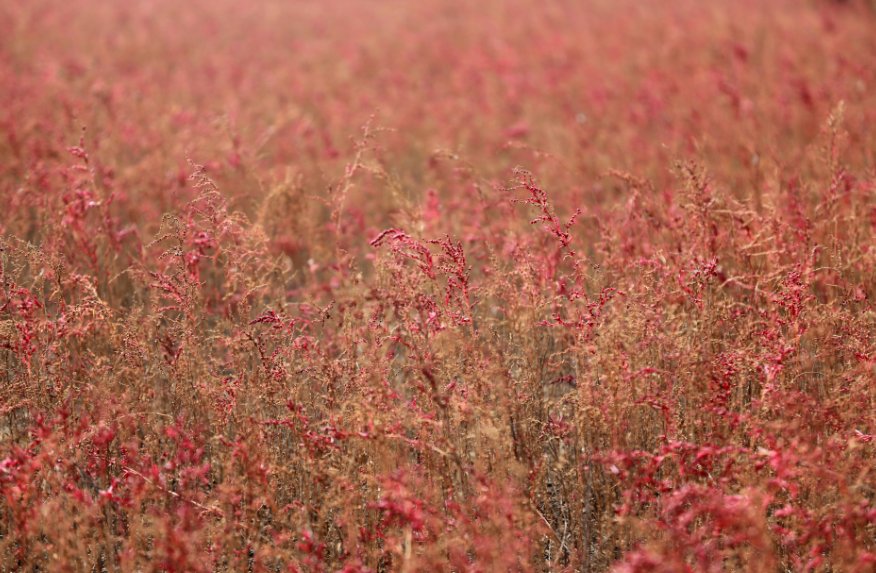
(346, 286)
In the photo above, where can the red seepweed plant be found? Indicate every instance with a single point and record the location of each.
(238, 332)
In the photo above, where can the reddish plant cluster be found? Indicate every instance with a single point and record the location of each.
(277, 295)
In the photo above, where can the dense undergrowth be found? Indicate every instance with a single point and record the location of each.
(437, 286)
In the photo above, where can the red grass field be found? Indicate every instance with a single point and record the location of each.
(437, 285)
